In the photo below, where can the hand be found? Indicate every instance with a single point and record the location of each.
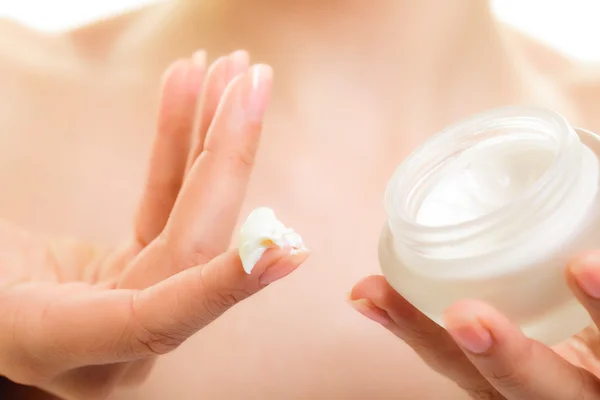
(77, 321)
(488, 356)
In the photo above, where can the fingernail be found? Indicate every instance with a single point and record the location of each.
(261, 76)
(174, 68)
(199, 58)
(239, 61)
(469, 334)
(196, 73)
(367, 308)
(586, 272)
(282, 268)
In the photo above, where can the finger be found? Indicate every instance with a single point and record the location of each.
(211, 197)
(220, 73)
(518, 367)
(583, 277)
(181, 87)
(93, 327)
(377, 300)
(172, 311)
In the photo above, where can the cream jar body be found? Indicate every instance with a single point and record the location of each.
(493, 208)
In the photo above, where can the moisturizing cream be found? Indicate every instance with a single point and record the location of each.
(261, 231)
(493, 208)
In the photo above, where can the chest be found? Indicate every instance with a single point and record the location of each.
(77, 165)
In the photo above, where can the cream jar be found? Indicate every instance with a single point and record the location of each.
(492, 208)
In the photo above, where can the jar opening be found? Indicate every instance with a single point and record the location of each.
(482, 172)
(481, 179)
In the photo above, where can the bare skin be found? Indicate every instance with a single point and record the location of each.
(77, 113)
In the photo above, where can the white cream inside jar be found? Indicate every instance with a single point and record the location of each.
(492, 208)
(482, 179)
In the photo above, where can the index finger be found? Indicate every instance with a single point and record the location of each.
(211, 198)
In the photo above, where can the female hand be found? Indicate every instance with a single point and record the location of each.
(76, 321)
(488, 356)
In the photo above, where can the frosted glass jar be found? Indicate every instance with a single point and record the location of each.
(492, 208)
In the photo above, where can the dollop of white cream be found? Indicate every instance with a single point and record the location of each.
(261, 231)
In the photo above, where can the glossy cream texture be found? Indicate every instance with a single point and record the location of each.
(496, 217)
(482, 179)
(261, 231)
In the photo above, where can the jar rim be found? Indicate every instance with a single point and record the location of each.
(558, 128)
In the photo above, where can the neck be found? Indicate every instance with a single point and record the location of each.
(419, 56)
(413, 34)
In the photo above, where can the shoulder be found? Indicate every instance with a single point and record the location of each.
(34, 64)
(29, 52)
(23, 49)
(37, 67)
(540, 56)
(97, 40)
(583, 87)
(29, 61)
(578, 82)
(29, 57)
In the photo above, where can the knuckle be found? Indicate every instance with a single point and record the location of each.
(218, 301)
(232, 160)
(243, 159)
(225, 300)
(511, 372)
(202, 253)
(239, 160)
(146, 341)
(215, 306)
(156, 343)
(507, 377)
(179, 255)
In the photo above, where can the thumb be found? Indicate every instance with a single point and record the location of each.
(62, 327)
(173, 310)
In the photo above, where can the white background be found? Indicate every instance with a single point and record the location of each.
(571, 26)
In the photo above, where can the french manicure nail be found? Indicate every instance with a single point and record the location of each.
(371, 311)
(258, 99)
(587, 275)
(237, 63)
(199, 58)
(240, 57)
(470, 334)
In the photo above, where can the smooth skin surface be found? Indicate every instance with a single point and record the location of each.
(357, 85)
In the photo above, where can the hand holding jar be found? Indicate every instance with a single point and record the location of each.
(489, 256)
